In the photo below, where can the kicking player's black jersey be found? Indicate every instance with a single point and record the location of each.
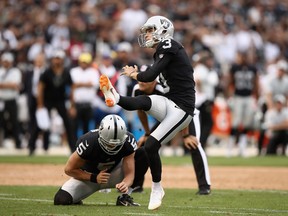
(175, 72)
(89, 149)
(244, 77)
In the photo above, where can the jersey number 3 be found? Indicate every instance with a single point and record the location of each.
(167, 44)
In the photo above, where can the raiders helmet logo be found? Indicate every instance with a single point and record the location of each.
(165, 24)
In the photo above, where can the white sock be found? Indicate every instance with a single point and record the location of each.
(242, 144)
(230, 145)
(156, 185)
(130, 190)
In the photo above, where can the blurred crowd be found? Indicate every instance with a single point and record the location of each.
(222, 38)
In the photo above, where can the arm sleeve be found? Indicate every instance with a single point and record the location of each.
(158, 66)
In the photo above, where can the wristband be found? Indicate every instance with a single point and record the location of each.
(185, 136)
(93, 178)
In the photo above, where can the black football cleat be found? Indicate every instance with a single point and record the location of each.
(126, 200)
(204, 192)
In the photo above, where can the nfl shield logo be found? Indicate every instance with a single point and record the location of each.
(164, 23)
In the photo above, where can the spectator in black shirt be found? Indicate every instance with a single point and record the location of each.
(52, 92)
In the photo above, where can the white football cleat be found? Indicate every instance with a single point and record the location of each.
(156, 197)
(110, 94)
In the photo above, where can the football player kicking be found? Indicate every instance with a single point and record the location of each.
(191, 140)
(175, 109)
(104, 158)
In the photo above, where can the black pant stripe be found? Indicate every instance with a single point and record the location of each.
(174, 127)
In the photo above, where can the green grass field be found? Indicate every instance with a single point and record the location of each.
(274, 161)
(38, 200)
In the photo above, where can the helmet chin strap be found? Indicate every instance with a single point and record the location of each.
(150, 43)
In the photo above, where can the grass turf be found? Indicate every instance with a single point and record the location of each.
(271, 161)
(32, 200)
(38, 200)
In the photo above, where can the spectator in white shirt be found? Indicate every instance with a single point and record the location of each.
(85, 83)
(278, 84)
(10, 83)
(100, 108)
(133, 15)
(274, 119)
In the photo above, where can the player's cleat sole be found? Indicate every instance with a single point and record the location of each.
(156, 199)
(126, 200)
(107, 90)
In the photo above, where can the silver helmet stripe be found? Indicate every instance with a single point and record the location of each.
(112, 134)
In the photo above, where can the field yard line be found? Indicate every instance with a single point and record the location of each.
(50, 214)
(243, 209)
(145, 214)
(270, 191)
(43, 200)
(228, 213)
(182, 207)
(253, 191)
(24, 199)
(4, 194)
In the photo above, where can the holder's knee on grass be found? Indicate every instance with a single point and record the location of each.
(63, 198)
